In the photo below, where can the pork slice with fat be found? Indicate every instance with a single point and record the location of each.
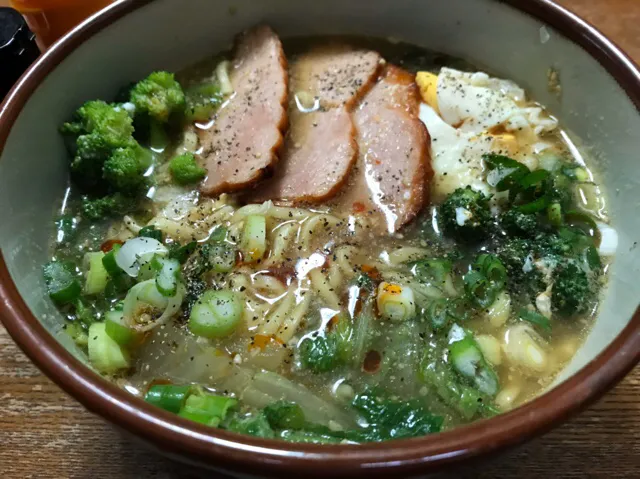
(242, 142)
(319, 152)
(320, 148)
(336, 74)
(390, 180)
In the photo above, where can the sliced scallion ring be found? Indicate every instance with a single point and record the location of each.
(168, 277)
(216, 314)
(135, 251)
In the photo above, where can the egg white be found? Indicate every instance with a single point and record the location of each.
(477, 114)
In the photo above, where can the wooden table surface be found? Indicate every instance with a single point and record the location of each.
(46, 434)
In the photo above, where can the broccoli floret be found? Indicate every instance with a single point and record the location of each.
(519, 224)
(91, 153)
(466, 215)
(111, 122)
(572, 292)
(97, 131)
(517, 256)
(112, 205)
(125, 169)
(521, 256)
(184, 169)
(159, 95)
(552, 245)
(320, 353)
(107, 162)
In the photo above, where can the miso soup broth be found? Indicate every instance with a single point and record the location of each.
(340, 241)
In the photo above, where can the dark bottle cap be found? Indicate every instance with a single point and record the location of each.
(18, 48)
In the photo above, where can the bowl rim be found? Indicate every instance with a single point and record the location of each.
(201, 445)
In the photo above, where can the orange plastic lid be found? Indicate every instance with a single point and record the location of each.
(50, 19)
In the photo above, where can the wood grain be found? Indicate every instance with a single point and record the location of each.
(46, 434)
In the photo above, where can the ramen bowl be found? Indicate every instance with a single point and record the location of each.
(597, 97)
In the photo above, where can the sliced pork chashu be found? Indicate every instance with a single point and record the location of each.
(390, 180)
(321, 149)
(241, 145)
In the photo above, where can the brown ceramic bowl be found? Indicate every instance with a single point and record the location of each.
(519, 40)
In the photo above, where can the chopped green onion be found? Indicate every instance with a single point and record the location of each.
(206, 408)
(149, 269)
(504, 172)
(109, 261)
(62, 282)
(396, 302)
(77, 333)
(143, 303)
(535, 206)
(218, 234)
(435, 270)
(535, 318)
(480, 289)
(437, 313)
(117, 284)
(169, 397)
(136, 251)
(467, 359)
(147, 293)
(216, 314)
(118, 330)
(168, 277)
(85, 314)
(577, 173)
(533, 179)
(150, 232)
(554, 213)
(254, 238)
(105, 354)
(222, 257)
(97, 276)
(492, 268)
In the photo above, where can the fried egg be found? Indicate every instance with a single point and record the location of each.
(470, 114)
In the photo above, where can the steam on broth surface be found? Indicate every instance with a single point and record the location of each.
(373, 243)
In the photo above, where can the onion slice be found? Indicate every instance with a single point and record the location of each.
(146, 293)
(133, 252)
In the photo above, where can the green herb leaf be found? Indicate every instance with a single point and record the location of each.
(535, 318)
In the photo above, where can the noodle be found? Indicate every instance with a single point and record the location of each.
(320, 284)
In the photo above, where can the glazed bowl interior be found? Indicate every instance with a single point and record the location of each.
(170, 34)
